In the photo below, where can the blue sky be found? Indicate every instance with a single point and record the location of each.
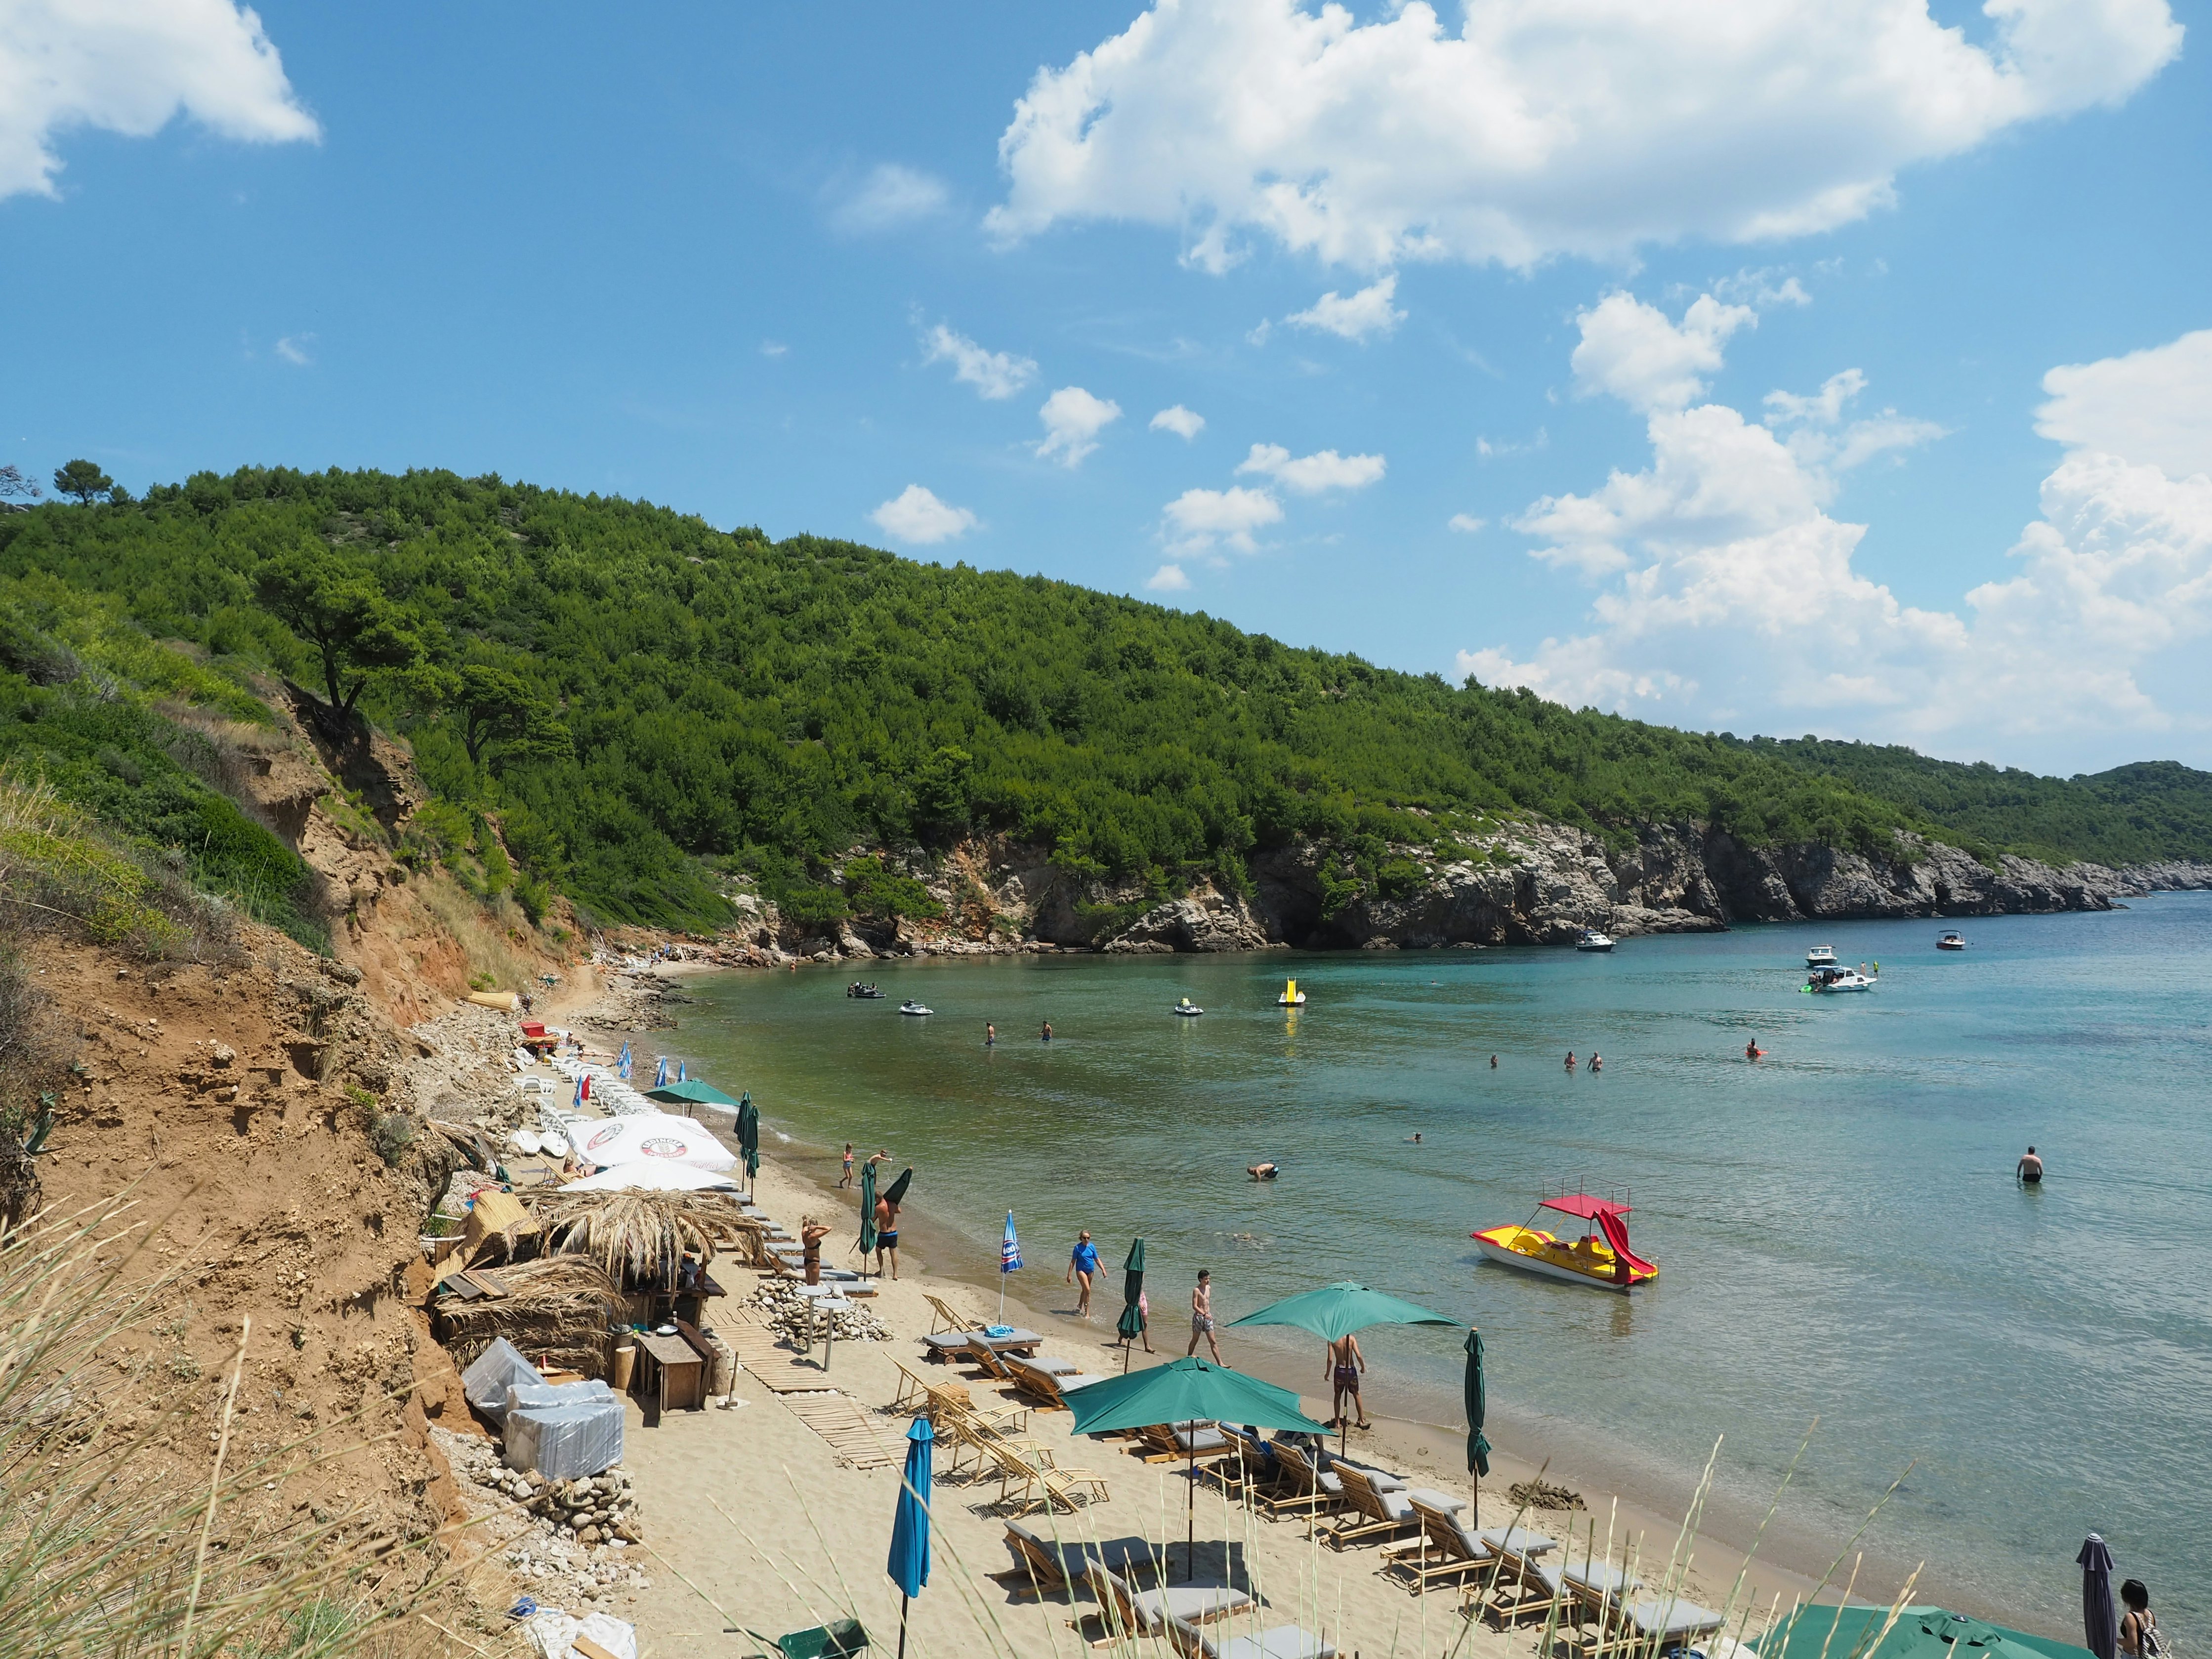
(830, 271)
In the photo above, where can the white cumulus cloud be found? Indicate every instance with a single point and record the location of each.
(1466, 523)
(294, 348)
(1523, 129)
(2151, 406)
(1168, 579)
(1728, 593)
(1360, 317)
(916, 516)
(1184, 423)
(992, 374)
(1073, 421)
(131, 66)
(1631, 350)
(1199, 519)
(890, 198)
(1309, 475)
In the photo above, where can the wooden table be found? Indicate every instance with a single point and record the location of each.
(670, 1373)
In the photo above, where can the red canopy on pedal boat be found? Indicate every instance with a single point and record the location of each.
(1582, 1205)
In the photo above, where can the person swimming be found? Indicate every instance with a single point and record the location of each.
(1752, 1050)
(2029, 1170)
(1261, 1172)
(1597, 1062)
(1046, 1037)
(1414, 1139)
(1571, 1060)
(1493, 1062)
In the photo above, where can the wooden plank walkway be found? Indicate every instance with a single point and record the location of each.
(797, 1381)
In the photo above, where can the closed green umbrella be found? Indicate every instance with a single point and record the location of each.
(1478, 1407)
(1177, 1392)
(1337, 1310)
(867, 1210)
(1131, 1325)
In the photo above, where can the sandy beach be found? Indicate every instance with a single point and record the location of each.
(753, 1519)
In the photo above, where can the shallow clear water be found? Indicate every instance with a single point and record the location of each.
(1838, 1225)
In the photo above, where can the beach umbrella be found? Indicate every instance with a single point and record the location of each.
(622, 1063)
(1131, 1325)
(660, 1072)
(689, 1094)
(645, 1137)
(2099, 1622)
(679, 1071)
(1919, 1633)
(1478, 1407)
(749, 1133)
(1339, 1309)
(867, 1209)
(896, 1193)
(1010, 1258)
(1179, 1391)
(908, 1565)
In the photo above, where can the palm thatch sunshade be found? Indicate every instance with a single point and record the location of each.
(557, 1310)
(639, 1238)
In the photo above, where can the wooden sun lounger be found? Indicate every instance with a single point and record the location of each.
(1032, 1467)
(1049, 1389)
(1379, 1513)
(1283, 1642)
(1313, 1491)
(1446, 1553)
(1128, 1612)
(1183, 1442)
(946, 1319)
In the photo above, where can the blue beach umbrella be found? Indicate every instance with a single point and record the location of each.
(660, 1073)
(1010, 1259)
(622, 1063)
(681, 1077)
(908, 1565)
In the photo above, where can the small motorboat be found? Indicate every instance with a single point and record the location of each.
(1594, 939)
(1292, 997)
(1599, 1257)
(867, 992)
(910, 1006)
(1951, 942)
(1189, 1009)
(1826, 980)
(1820, 956)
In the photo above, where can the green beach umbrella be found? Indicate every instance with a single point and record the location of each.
(1131, 1325)
(1918, 1633)
(867, 1209)
(1339, 1309)
(1177, 1392)
(1478, 1407)
(693, 1093)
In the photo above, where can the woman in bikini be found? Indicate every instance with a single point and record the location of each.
(1342, 1367)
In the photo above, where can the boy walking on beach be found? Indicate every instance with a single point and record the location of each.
(1201, 1317)
(1083, 1265)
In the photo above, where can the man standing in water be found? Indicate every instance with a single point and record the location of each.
(1201, 1317)
(990, 1034)
(2030, 1170)
(1342, 1367)
(1084, 1266)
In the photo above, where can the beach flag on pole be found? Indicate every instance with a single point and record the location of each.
(1010, 1257)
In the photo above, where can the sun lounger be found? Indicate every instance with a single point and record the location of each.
(1447, 1553)
(1145, 1612)
(1182, 1443)
(1246, 1468)
(1049, 1389)
(953, 1345)
(1311, 1490)
(1589, 1588)
(946, 1319)
(1378, 1513)
(1044, 1565)
(1671, 1620)
(1283, 1642)
(1032, 1468)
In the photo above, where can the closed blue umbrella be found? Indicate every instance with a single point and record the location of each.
(1010, 1261)
(908, 1565)
(2100, 1624)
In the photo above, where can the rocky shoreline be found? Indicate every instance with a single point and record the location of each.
(1537, 883)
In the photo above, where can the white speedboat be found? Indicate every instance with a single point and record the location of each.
(1951, 942)
(1594, 939)
(1820, 956)
(1823, 981)
(1189, 1009)
(910, 1006)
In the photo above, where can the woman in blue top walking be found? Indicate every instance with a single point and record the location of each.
(1083, 1265)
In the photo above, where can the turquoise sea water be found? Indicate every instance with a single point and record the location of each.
(1838, 1225)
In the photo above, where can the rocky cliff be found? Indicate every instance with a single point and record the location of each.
(1535, 884)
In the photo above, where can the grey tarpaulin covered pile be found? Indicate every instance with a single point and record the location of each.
(564, 1429)
(496, 1370)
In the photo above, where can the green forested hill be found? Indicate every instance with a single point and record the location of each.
(638, 697)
